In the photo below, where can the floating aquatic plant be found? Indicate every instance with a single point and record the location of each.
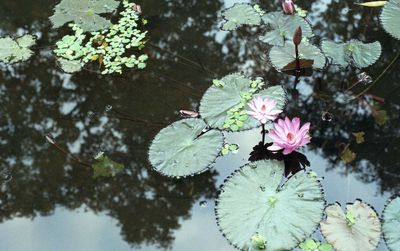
(358, 228)
(390, 18)
(185, 147)
(391, 223)
(281, 56)
(311, 245)
(15, 50)
(353, 52)
(241, 14)
(113, 48)
(283, 27)
(230, 148)
(105, 167)
(253, 204)
(84, 13)
(70, 66)
(224, 106)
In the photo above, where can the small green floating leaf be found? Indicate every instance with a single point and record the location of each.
(225, 107)
(281, 56)
(252, 202)
(70, 66)
(240, 14)
(311, 245)
(12, 51)
(391, 223)
(183, 149)
(83, 13)
(362, 234)
(283, 28)
(105, 167)
(359, 136)
(390, 18)
(380, 117)
(347, 155)
(353, 52)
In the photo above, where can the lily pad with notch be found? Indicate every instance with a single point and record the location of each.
(353, 52)
(252, 205)
(240, 14)
(218, 100)
(358, 228)
(283, 27)
(390, 18)
(391, 223)
(185, 147)
(283, 58)
(16, 50)
(83, 13)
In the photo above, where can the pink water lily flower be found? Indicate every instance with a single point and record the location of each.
(288, 7)
(288, 135)
(263, 109)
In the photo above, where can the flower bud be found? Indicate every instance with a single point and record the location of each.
(288, 7)
(297, 36)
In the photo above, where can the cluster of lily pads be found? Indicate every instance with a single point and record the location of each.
(94, 38)
(258, 207)
(281, 27)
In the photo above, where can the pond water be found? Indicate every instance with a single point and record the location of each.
(48, 201)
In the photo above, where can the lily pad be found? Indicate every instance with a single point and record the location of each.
(353, 52)
(84, 13)
(390, 18)
(185, 147)
(70, 66)
(281, 56)
(105, 167)
(12, 51)
(218, 100)
(283, 27)
(357, 229)
(253, 204)
(240, 14)
(391, 223)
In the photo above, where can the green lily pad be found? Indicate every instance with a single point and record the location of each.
(70, 66)
(183, 148)
(84, 13)
(105, 167)
(218, 100)
(390, 18)
(252, 203)
(280, 56)
(12, 51)
(391, 223)
(353, 52)
(240, 14)
(357, 229)
(283, 28)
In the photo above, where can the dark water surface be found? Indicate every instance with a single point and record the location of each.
(50, 202)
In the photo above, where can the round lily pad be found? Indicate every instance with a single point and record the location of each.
(353, 52)
(240, 14)
(255, 212)
(391, 223)
(218, 100)
(185, 147)
(390, 18)
(358, 228)
(280, 56)
(283, 28)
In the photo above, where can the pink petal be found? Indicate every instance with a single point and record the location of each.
(304, 129)
(287, 151)
(296, 124)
